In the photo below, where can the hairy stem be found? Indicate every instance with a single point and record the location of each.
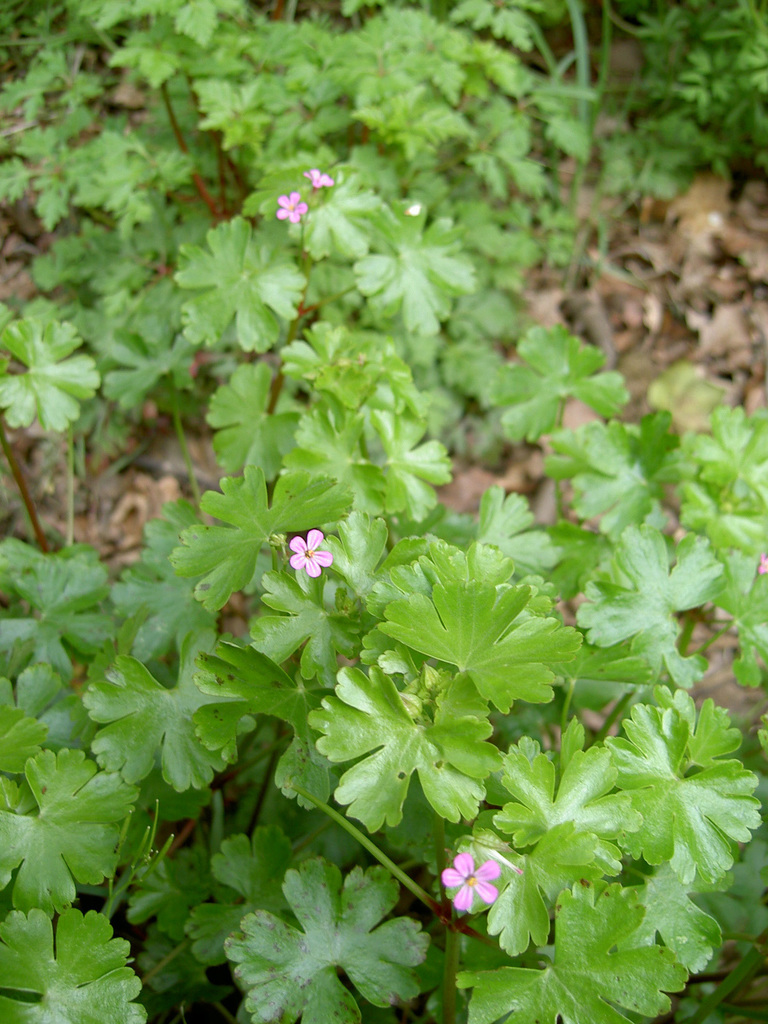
(371, 847)
(70, 535)
(21, 483)
(202, 191)
(182, 439)
(450, 967)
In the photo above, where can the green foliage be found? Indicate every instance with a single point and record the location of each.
(447, 749)
(339, 360)
(142, 718)
(618, 470)
(558, 367)
(51, 384)
(60, 826)
(483, 628)
(244, 282)
(289, 973)
(225, 556)
(587, 971)
(640, 596)
(54, 615)
(85, 972)
(689, 817)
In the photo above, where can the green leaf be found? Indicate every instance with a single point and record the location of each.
(150, 585)
(226, 555)
(63, 830)
(289, 972)
(358, 550)
(408, 467)
(587, 980)
(484, 630)
(504, 520)
(449, 751)
(521, 914)
(20, 735)
(246, 683)
(328, 443)
(52, 384)
(246, 432)
(692, 935)
(690, 818)
(584, 797)
(728, 499)
(354, 367)
(64, 590)
(306, 620)
(418, 274)
(240, 281)
(254, 872)
(618, 470)
(83, 975)
(558, 367)
(145, 718)
(144, 361)
(641, 597)
(341, 224)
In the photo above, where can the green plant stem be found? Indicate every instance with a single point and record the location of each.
(618, 707)
(686, 633)
(224, 1012)
(737, 977)
(21, 483)
(165, 960)
(372, 848)
(70, 536)
(438, 833)
(450, 967)
(567, 706)
(179, 428)
(715, 636)
(581, 46)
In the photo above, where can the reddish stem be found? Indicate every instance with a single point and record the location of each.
(21, 483)
(202, 191)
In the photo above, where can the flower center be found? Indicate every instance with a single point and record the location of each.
(471, 880)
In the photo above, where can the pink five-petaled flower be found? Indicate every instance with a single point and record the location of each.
(319, 179)
(463, 873)
(291, 207)
(763, 567)
(307, 556)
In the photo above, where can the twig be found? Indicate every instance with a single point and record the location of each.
(21, 483)
(202, 191)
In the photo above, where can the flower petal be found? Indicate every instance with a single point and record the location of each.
(298, 561)
(488, 893)
(463, 898)
(314, 539)
(295, 197)
(283, 201)
(313, 569)
(464, 864)
(325, 558)
(282, 214)
(301, 209)
(298, 544)
(488, 871)
(451, 878)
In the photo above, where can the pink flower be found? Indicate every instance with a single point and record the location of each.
(318, 178)
(291, 207)
(463, 873)
(307, 556)
(763, 567)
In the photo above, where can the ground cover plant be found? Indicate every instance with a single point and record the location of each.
(328, 749)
